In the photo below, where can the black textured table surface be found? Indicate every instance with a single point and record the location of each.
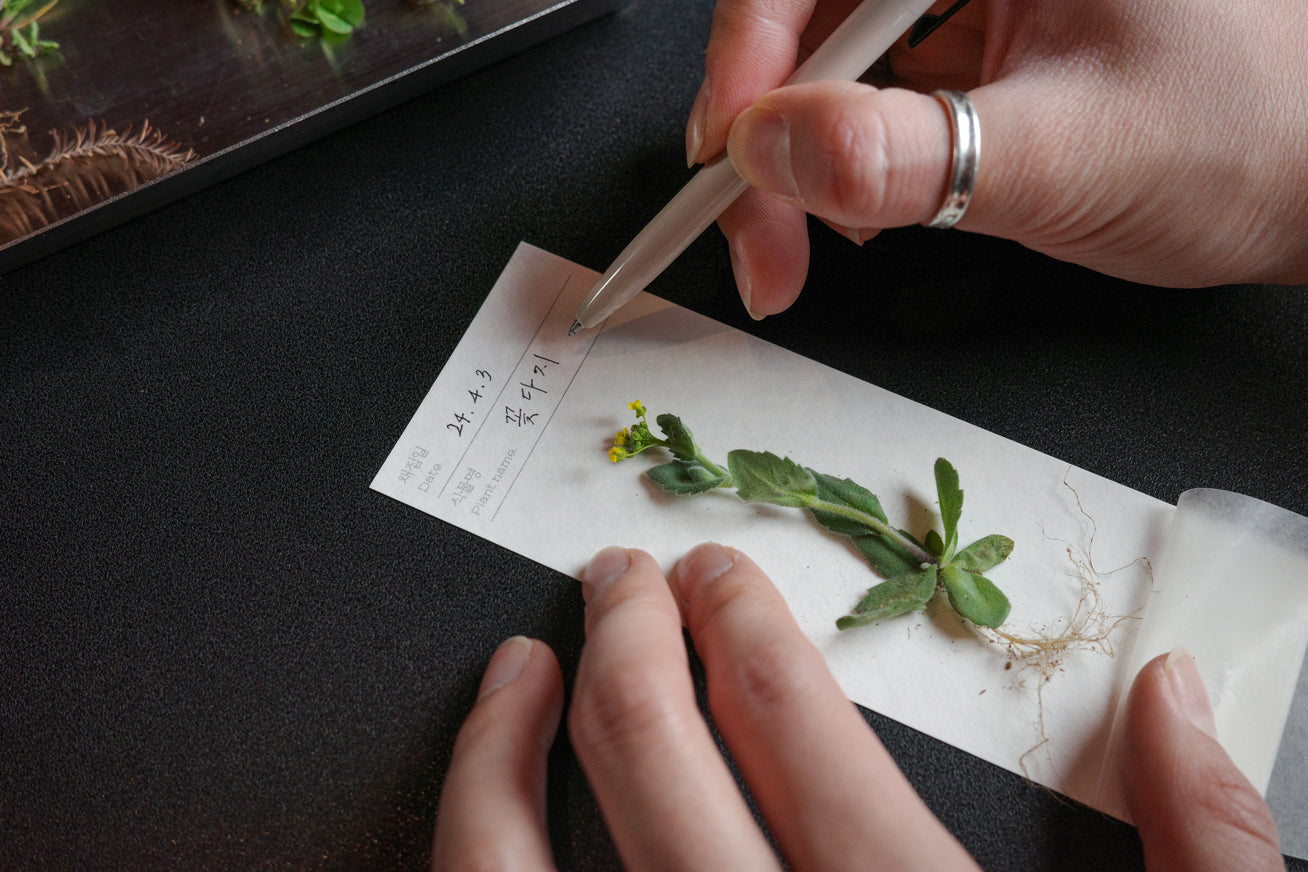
(219, 649)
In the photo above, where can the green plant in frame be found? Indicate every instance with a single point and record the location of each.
(315, 19)
(326, 18)
(913, 570)
(20, 30)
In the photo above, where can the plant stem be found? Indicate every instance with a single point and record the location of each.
(876, 525)
(712, 467)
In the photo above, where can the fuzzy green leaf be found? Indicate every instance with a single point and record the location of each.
(888, 558)
(975, 597)
(984, 554)
(685, 477)
(680, 441)
(844, 492)
(951, 503)
(892, 597)
(763, 477)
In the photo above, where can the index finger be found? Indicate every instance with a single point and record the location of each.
(832, 795)
(753, 47)
(668, 798)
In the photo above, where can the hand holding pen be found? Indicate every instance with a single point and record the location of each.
(1157, 143)
(1160, 143)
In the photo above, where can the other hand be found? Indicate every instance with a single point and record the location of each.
(832, 796)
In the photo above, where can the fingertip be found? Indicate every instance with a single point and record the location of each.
(491, 812)
(695, 125)
(605, 567)
(1195, 809)
(712, 576)
(743, 274)
(505, 665)
(759, 147)
(702, 565)
(768, 244)
(1168, 694)
(528, 669)
(1189, 695)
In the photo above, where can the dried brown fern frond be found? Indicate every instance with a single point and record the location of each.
(147, 150)
(83, 168)
(11, 123)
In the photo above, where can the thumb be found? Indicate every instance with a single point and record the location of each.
(1195, 810)
(854, 155)
(491, 813)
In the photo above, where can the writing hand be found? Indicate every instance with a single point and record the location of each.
(1155, 142)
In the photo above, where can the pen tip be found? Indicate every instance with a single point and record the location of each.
(576, 325)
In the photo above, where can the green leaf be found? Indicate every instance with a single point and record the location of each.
(305, 28)
(892, 597)
(350, 10)
(21, 43)
(334, 23)
(934, 544)
(975, 597)
(763, 477)
(844, 492)
(887, 557)
(984, 554)
(951, 503)
(680, 441)
(685, 477)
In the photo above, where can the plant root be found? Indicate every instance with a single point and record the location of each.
(1091, 626)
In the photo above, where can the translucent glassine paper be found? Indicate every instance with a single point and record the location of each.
(510, 443)
(1231, 587)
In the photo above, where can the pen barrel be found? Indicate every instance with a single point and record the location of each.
(715, 187)
(865, 35)
(846, 54)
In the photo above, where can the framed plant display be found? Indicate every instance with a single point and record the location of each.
(107, 110)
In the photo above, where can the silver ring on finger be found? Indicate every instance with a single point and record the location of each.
(965, 137)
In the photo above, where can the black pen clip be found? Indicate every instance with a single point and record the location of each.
(927, 24)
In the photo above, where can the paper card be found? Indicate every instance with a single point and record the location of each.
(511, 442)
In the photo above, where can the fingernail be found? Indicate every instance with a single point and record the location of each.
(604, 568)
(1188, 691)
(695, 125)
(759, 146)
(700, 567)
(743, 282)
(853, 234)
(505, 665)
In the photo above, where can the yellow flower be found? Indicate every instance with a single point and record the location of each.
(630, 441)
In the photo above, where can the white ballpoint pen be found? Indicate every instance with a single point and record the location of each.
(845, 55)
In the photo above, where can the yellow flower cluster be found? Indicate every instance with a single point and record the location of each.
(632, 440)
